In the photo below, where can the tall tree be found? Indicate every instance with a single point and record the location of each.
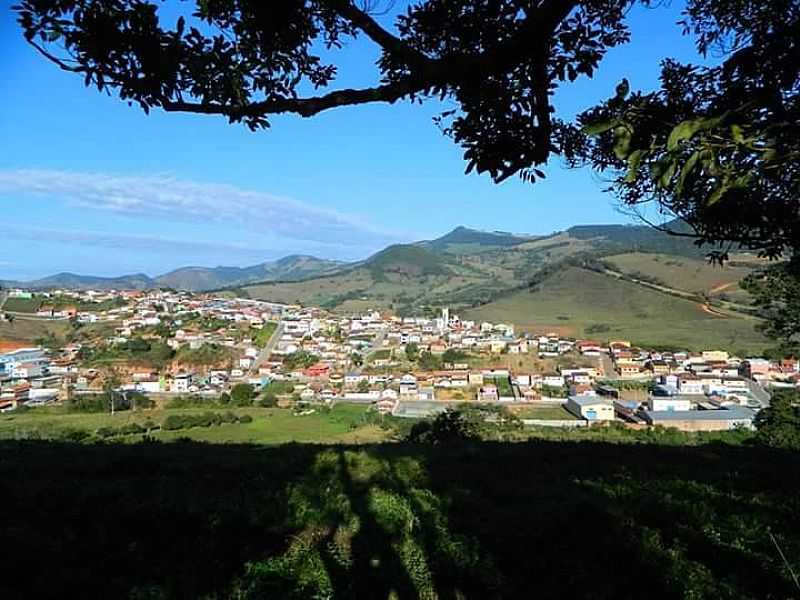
(717, 146)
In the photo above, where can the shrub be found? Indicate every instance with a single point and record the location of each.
(131, 429)
(72, 435)
(245, 419)
(228, 417)
(242, 394)
(173, 423)
(465, 423)
(779, 424)
(105, 432)
(268, 400)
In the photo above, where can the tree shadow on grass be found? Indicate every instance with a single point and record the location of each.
(479, 520)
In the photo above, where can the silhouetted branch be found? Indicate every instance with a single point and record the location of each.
(305, 107)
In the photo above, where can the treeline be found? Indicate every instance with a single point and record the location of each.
(206, 354)
(139, 350)
(206, 419)
(101, 403)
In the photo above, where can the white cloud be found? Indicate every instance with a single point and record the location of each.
(163, 197)
(143, 243)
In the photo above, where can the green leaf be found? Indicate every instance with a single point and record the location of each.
(718, 193)
(599, 127)
(622, 142)
(634, 161)
(688, 167)
(737, 134)
(683, 131)
(667, 175)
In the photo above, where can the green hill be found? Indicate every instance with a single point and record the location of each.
(408, 260)
(638, 238)
(463, 240)
(482, 273)
(288, 268)
(584, 303)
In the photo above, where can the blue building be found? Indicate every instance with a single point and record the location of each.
(11, 359)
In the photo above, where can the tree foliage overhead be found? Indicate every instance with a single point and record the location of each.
(246, 60)
(715, 145)
(776, 290)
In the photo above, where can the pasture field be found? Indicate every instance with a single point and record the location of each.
(22, 305)
(683, 273)
(27, 330)
(344, 423)
(584, 303)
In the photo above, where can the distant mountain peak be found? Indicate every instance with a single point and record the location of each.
(463, 235)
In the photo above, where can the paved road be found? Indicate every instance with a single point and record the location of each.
(608, 366)
(375, 344)
(758, 392)
(268, 348)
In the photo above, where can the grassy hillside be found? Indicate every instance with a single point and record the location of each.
(492, 520)
(22, 305)
(481, 273)
(288, 268)
(27, 330)
(683, 273)
(639, 237)
(585, 303)
(345, 423)
(410, 278)
(406, 260)
(463, 240)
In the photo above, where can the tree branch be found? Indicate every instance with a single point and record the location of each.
(390, 43)
(305, 107)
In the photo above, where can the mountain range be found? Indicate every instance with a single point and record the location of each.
(288, 268)
(451, 254)
(612, 281)
(462, 253)
(465, 267)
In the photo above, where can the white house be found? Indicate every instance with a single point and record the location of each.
(690, 384)
(181, 383)
(658, 403)
(591, 408)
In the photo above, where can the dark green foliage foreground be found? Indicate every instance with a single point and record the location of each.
(478, 520)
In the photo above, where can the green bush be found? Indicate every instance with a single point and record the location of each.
(173, 423)
(245, 419)
(131, 429)
(106, 432)
(192, 401)
(242, 394)
(228, 417)
(465, 423)
(779, 424)
(72, 435)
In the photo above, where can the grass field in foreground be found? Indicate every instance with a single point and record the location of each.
(344, 423)
(585, 303)
(548, 413)
(480, 520)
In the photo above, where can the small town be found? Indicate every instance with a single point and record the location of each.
(160, 345)
(400, 299)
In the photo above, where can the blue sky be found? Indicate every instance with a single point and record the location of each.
(90, 185)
